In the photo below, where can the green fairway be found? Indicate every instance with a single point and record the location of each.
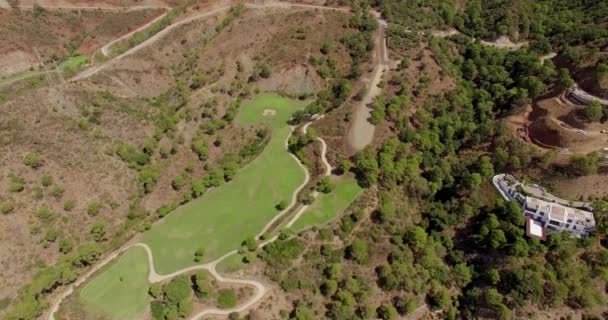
(222, 218)
(73, 64)
(121, 291)
(327, 206)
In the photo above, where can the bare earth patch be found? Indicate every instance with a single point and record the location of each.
(269, 112)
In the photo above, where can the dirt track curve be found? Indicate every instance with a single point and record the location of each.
(105, 50)
(154, 277)
(327, 173)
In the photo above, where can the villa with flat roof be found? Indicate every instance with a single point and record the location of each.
(546, 215)
(557, 217)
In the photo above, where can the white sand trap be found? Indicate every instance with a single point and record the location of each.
(269, 112)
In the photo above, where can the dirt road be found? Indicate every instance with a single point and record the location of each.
(93, 70)
(361, 132)
(505, 43)
(105, 50)
(327, 173)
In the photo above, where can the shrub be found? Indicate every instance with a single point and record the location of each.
(326, 47)
(69, 205)
(155, 290)
(227, 299)
(157, 310)
(279, 253)
(51, 235)
(45, 214)
(593, 112)
(38, 193)
(65, 246)
(6, 207)
(46, 180)
(98, 230)
(179, 182)
(281, 205)
(165, 209)
(33, 160)
(250, 243)
(198, 188)
(265, 236)
(584, 165)
(148, 177)
(200, 147)
(201, 284)
(93, 208)
(131, 155)
(199, 254)
(325, 185)
(16, 183)
(56, 191)
(358, 251)
(387, 312)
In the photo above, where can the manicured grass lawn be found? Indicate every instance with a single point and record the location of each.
(327, 206)
(222, 218)
(121, 291)
(73, 64)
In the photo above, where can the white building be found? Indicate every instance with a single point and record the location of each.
(548, 215)
(557, 217)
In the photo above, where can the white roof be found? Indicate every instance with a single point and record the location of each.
(536, 229)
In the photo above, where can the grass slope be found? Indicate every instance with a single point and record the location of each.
(121, 291)
(221, 219)
(73, 64)
(327, 206)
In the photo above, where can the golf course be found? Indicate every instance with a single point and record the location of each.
(221, 219)
(218, 221)
(328, 206)
(121, 290)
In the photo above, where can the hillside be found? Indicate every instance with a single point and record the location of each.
(97, 160)
(300, 159)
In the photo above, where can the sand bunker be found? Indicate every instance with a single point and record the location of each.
(269, 112)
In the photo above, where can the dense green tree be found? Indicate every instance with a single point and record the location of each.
(593, 112)
(227, 298)
(358, 251)
(387, 312)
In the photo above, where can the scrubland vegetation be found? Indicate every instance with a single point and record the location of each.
(438, 238)
(425, 233)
